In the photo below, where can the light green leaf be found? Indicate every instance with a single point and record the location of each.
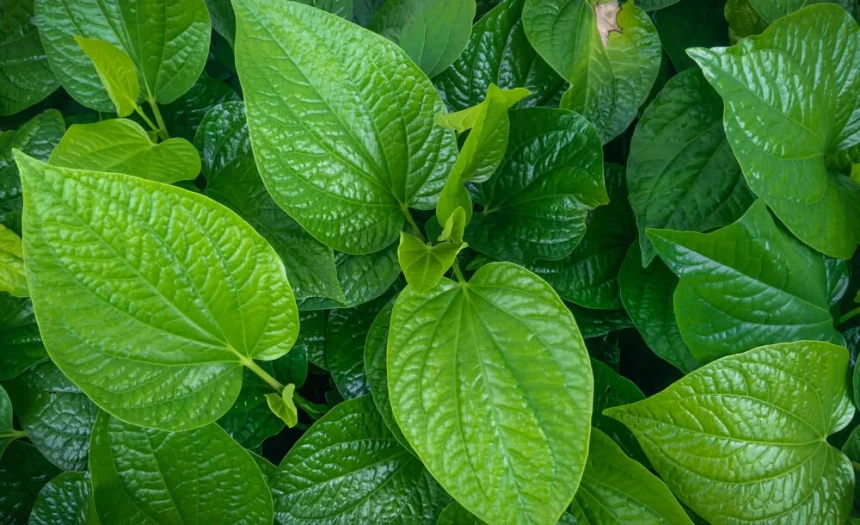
(611, 390)
(159, 334)
(25, 76)
(618, 490)
(647, 294)
(536, 205)
(611, 60)
(249, 421)
(355, 145)
(490, 382)
(423, 263)
(781, 141)
(750, 428)
(744, 286)
(122, 146)
(12, 277)
(189, 477)
(65, 500)
(8, 434)
(499, 53)
(23, 473)
(348, 468)
(432, 32)
(233, 180)
(282, 406)
(455, 227)
(681, 172)
(36, 138)
(116, 71)
(341, 8)
(589, 275)
(772, 10)
(56, 415)
(362, 278)
(168, 41)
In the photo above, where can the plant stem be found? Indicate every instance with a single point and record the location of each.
(848, 316)
(14, 434)
(162, 128)
(313, 410)
(139, 111)
(412, 222)
(262, 374)
(458, 273)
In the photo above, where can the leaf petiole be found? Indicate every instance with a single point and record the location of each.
(162, 128)
(139, 111)
(848, 316)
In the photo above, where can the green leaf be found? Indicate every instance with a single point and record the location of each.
(681, 172)
(168, 41)
(772, 10)
(490, 383)
(25, 76)
(12, 277)
(183, 293)
(191, 477)
(499, 53)
(56, 415)
(610, 60)
(233, 180)
(690, 23)
(312, 337)
(597, 323)
(20, 342)
(183, 116)
(455, 227)
(249, 421)
(589, 275)
(743, 19)
(781, 142)
(744, 286)
(23, 473)
(455, 514)
(116, 72)
(8, 434)
(362, 278)
(647, 294)
(433, 32)
(536, 205)
(851, 449)
(122, 146)
(341, 8)
(611, 390)
(223, 19)
(423, 263)
(36, 138)
(753, 427)
(355, 146)
(348, 468)
(618, 490)
(282, 405)
(65, 500)
(654, 5)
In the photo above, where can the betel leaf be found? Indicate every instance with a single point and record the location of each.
(8, 434)
(589, 275)
(647, 294)
(12, 277)
(690, 23)
(746, 285)
(65, 500)
(249, 421)
(25, 76)
(341, 8)
(172, 297)
(36, 138)
(233, 180)
(424, 263)
(432, 32)
(116, 72)
(491, 385)
(455, 514)
(654, 5)
(681, 173)
(348, 468)
(183, 116)
(122, 146)
(283, 407)
(312, 337)
(772, 10)
(191, 477)
(743, 19)
(23, 473)
(609, 54)
(168, 41)
(610, 390)
(618, 490)
(56, 415)
(597, 323)
(499, 53)
(782, 141)
(745, 438)
(20, 342)
(355, 145)
(536, 205)
(362, 278)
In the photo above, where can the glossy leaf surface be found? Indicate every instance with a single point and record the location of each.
(423, 263)
(25, 76)
(8, 434)
(612, 389)
(12, 277)
(23, 473)
(65, 500)
(116, 71)
(362, 278)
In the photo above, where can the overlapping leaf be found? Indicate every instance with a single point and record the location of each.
(25, 76)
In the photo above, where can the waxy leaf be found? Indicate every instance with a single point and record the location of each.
(282, 405)
(348, 468)
(184, 115)
(455, 514)
(168, 41)
(610, 390)
(20, 342)
(654, 5)
(312, 337)
(56, 415)
(423, 263)
(116, 71)
(690, 23)
(744, 439)
(490, 382)
(610, 56)
(143, 475)
(249, 421)
(362, 278)
(772, 10)
(65, 500)
(781, 141)
(36, 138)
(25, 76)
(172, 296)
(746, 285)
(23, 473)
(354, 146)
(122, 146)
(432, 32)
(12, 277)
(681, 173)
(618, 490)
(499, 53)
(8, 433)
(597, 323)
(536, 205)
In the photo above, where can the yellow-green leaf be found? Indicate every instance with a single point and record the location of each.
(12, 276)
(424, 264)
(282, 405)
(116, 71)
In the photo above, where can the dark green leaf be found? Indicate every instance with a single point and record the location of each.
(690, 23)
(23, 473)
(249, 421)
(612, 390)
(65, 500)
(183, 115)
(25, 76)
